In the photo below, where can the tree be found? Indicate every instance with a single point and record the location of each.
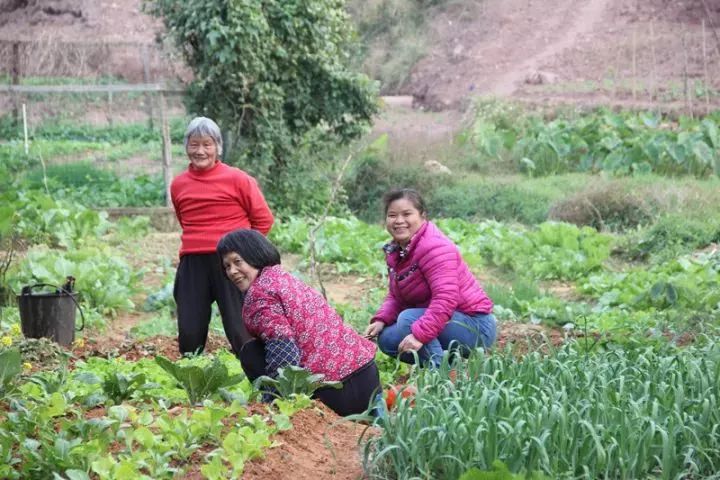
(273, 73)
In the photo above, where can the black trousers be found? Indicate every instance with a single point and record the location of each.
(358, 392)
(199, 282)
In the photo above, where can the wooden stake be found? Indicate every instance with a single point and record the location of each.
(653, 74)
(110, 109)
(634, 64)
(15, 78)
(706, 78)
(616, 82)
(166, 151)
(25, 132)
(146, 76)
(688, 101)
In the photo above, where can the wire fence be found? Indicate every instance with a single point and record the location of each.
(110, 105)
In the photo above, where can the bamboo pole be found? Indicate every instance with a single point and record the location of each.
(634, 64)
(118, 88)
(110, 108)
(617, 80)
(25, 130)
(146, 78)
(15, 79)
(166, 151)
(653, 74)
(686, 76)
(706, 77)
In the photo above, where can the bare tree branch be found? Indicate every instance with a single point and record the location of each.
(314, 271)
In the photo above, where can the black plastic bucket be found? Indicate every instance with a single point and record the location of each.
(49, 315)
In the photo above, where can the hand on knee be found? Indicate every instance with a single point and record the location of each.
(387, 344)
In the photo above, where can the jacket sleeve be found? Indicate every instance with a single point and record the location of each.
(265, 318)
(440, 269)
(253, 201)
(389, 310)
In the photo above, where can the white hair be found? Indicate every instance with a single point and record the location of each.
(203, 126)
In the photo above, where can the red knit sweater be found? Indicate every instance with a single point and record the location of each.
(211, 203)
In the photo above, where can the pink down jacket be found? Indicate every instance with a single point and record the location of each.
(431, 274)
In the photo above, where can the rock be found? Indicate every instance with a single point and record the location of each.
(433, 166)
(541, 78)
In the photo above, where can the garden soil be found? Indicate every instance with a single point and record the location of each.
(321, 445)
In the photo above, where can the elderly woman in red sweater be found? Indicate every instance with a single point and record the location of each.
(434, 301)
(210, 200)
(294, 325)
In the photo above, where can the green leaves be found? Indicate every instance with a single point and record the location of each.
(293, 380)
(41, 219)
(499, 471)
(622, 413)
(10, 367)
(119, 387)
(271, 73)
(200, 382)
(104, 279)
(351, 245)
(688, 282)
(621, 143)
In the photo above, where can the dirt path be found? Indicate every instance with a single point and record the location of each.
(587, 15)
(493, 49)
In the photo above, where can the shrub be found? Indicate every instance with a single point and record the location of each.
(673, 235)
(280, 68)
(605, 206)
(490, 200)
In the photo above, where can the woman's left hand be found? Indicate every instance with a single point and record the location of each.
(409, 343)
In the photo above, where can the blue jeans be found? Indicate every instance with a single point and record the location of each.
(463, 331)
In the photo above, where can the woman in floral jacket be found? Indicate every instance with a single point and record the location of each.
(434, 301)
(294, 325)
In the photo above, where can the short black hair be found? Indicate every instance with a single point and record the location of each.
(407, 193)
(251, 245)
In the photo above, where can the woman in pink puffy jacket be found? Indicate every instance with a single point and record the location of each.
(434, 302)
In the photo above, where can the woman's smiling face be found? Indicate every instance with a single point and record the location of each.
(403, 220)
(202, 151)
(241, 273)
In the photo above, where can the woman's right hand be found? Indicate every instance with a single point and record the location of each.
(374, 329)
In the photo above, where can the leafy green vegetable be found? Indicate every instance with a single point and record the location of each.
(500, 471)
(200, 382)
(294, 380)
(119, 387)
(10, 367)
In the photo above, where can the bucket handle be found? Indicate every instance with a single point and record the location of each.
(27, 291)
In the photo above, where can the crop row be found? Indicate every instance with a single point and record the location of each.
(632, 413)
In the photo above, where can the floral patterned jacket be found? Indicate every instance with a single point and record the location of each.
(300, 327)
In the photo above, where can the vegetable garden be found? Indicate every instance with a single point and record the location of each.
(623, 382)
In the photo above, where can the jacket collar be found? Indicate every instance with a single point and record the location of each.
(403, 252)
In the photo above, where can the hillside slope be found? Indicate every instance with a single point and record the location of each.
(577, 50)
